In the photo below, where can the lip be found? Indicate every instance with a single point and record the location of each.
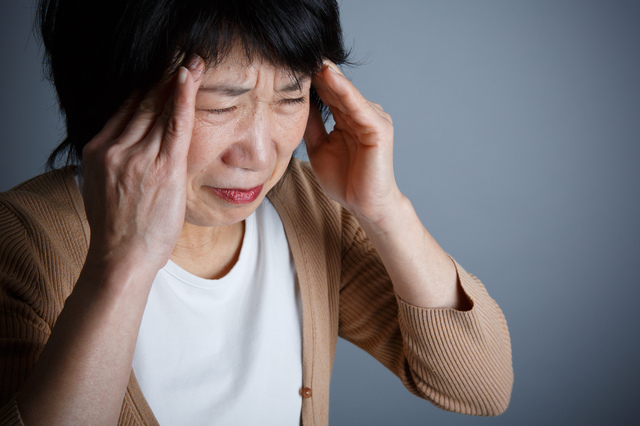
(238, 196)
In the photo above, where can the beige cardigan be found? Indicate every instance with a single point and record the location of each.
(460, 361)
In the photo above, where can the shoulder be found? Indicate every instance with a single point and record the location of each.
(43, 244)
(50, 199)
(44, 215)
(53, 191)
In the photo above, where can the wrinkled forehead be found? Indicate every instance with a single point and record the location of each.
(238, 70)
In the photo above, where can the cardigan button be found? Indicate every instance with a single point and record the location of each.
(305, 392)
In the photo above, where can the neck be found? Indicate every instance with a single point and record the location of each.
(208, 252)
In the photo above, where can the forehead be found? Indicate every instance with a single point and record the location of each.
(237, 69)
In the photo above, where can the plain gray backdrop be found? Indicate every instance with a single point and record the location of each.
(517, 137)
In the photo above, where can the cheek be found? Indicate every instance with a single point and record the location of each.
(210, 141)
(203, 150)
(291, 129)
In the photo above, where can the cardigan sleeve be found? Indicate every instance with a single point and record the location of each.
(43, 246)
(42, 250)
(460, 361)
(23, 329)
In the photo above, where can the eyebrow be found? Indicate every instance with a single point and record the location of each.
(225, 90)
(233, 91)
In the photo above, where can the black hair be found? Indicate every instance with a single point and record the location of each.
(99, 52)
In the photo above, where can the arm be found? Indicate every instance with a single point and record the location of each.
(458, 360)
(425, 318)
(134, 194)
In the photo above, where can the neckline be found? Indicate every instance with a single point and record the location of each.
(186, 277)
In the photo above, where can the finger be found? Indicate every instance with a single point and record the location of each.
(348, 135)
(153, 139)
(339, 87)
(115, 125)
(326, 94)
(315, 133)
(118, 121)
(179, 127)
(146, 113)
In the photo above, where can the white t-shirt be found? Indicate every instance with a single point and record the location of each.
(227, 351)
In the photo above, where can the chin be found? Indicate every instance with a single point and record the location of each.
(220, 217)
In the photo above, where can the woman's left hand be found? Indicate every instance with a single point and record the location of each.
(354, 162)
(354, 165)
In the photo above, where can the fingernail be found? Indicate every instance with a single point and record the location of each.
(182, 75)
(193, 62)
(197, 67)
(333, 67)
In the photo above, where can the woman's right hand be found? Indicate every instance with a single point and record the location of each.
(134, 194)
(135, 174)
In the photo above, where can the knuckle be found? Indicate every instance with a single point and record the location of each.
(92, 147)
(147, 105)
(388, 124)
(177, 126)
(129, 104)
(89, 149)
(111, 155)
(165, 117)
(162, 174)
(134, 167)
(137, 165)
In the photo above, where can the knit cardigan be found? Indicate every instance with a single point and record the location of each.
(460, 361)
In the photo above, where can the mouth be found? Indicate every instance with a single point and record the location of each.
(238, 196)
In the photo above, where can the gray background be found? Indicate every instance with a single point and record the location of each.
(518, 141)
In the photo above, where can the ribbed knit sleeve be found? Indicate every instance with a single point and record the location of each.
(42, 249)
(460, 361)
(23, 330)
(9, 414)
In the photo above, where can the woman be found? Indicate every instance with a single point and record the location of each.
(188, 271)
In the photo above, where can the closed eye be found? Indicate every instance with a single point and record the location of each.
(294, 101)
(221, 111)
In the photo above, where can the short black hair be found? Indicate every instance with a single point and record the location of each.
(99, 52)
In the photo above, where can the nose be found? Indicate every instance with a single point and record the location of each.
(253, 147)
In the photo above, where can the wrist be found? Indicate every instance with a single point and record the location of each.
(126, 255)
(422, 273)
(119, 272)
(391, 220)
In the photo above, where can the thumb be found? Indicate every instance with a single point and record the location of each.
(315, 132)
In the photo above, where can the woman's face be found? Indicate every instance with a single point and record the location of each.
(250, 117)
